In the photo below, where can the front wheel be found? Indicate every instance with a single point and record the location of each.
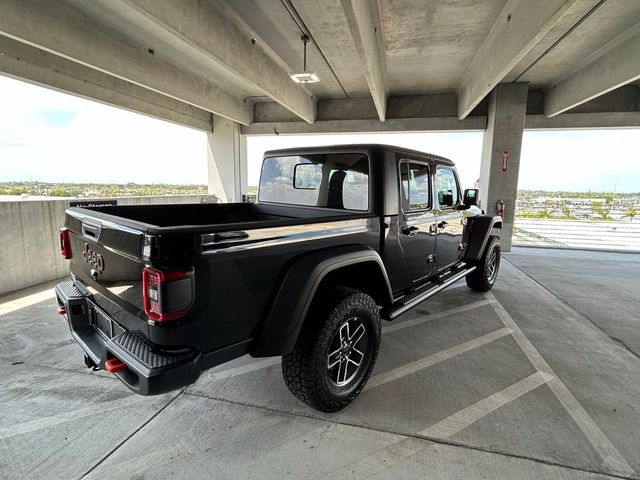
(336, 351)
(484, 276)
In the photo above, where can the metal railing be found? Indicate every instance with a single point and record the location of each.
(615, 235)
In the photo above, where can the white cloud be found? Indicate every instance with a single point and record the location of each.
(101, 144)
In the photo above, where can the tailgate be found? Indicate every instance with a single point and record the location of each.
(107, 259)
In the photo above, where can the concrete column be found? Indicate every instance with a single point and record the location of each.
(505, 124)
(227, 160)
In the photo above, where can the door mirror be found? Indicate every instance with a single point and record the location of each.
(471, 196)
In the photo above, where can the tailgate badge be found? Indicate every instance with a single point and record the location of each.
(94, 259)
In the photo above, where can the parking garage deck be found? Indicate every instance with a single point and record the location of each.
(539, 378)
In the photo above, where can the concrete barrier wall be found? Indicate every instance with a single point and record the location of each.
(29, 239)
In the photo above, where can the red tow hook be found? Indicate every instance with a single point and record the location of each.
(114, 365)
(62, 310)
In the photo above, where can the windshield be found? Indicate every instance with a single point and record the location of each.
(322, 180)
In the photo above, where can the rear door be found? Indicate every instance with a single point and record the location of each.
(417, 220)
(448, 217)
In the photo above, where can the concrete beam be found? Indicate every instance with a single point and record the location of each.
(520, 25)
(363, 108)
(424, 124)
(33, 65)
(580, 121)
(200, 26)
(363, 17)
(618, 66)
(58, 29)
(566, 121)
(622, 99)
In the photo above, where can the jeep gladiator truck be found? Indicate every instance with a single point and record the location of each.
(340, 237)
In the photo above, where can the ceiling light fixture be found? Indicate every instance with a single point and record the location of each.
(305, 76)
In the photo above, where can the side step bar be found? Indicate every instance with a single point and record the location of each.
(419, 295)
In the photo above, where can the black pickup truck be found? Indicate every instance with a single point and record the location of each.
(339, 238)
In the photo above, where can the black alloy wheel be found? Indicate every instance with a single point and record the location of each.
(336, 350)
(483, 278)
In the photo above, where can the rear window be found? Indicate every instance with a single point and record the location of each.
(324, 180)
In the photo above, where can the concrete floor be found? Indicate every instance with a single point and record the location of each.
(539, 379)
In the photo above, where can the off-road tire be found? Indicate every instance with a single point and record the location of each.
(305, 369)
(483, 278)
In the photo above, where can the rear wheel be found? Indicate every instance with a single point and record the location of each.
(336, 351)
(484, 276)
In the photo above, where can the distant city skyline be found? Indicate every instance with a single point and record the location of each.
(50, 136)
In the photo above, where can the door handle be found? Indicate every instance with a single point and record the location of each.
(443, 224)
(410, 231)
(91, 230)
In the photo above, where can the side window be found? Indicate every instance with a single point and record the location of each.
(414, 180)
(446, 187)
(355, 188)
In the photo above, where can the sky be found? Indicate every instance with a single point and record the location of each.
(50, 136)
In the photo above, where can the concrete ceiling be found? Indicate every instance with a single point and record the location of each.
(430, 44)
(222, 56)
(596, 32)
(272, 22)
(134, 28)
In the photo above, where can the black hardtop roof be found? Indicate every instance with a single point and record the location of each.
(357, 147)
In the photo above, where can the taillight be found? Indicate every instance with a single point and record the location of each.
(166, 295)
(65, 243)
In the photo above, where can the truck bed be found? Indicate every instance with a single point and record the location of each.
(201, 218)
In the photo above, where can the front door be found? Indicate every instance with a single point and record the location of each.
(417, 221)
(448, 217)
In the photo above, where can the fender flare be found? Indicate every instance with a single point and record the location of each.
(480, 229)
(288, 309)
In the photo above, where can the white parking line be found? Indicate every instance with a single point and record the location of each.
(441, 356)
(398, 451)
(602, 445)
(467, 416)
(392, 327)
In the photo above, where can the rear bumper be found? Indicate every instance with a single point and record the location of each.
(102, 338)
